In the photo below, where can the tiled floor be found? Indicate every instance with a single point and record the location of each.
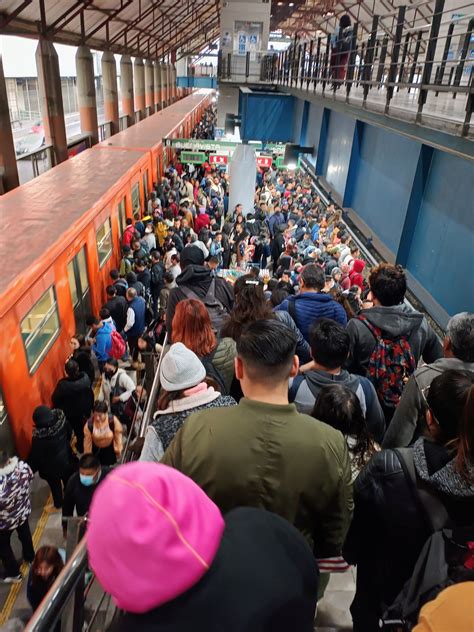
(333, 610)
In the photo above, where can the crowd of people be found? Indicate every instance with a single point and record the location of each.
(308, 420)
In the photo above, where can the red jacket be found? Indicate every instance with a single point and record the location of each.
(128, 236)
(202, 221)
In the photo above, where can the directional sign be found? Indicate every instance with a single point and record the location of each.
(218, 159)
(264, 161)
(194, 144)
(196, 157)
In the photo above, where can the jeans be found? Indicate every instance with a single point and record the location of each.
(6, 552)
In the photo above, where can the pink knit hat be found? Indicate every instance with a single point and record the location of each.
(152, 534)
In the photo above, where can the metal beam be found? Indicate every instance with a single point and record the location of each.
(107, 21)
(162, 50)
(6, 18)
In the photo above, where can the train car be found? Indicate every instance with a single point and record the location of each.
(60, 238)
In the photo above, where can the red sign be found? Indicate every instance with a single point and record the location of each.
(218, 159)
(264, 161)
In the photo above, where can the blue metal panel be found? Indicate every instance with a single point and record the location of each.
(267, 117)
(442, 254)
(323, 138)
(313, 132)
(197, 82)
(338, 151)
(297, 120)
(304, 125)
(353, 169)
(381, 191)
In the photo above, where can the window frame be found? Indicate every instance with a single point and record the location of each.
(33, 366)
(136, 186)
(99, 243)
(122, 205)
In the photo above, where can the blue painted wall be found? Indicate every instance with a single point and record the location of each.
(383, 180)
(313, 132)
(338, 150)
(297, 120)
(442, 254)
(267, 117)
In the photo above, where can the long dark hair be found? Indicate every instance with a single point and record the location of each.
(250, 305)
(340, 408)
(50, 555)
(451, 401)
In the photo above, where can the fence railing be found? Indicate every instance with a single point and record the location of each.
(105, 130)
(75, 586)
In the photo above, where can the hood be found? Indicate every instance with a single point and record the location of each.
(194, 275)
(358, 266)
(396, 320)
(317, 379)
(435, 466)
(45, 432)
(106, 329)
(78, 383)
(168, 532)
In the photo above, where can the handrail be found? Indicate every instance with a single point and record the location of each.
(153, 393)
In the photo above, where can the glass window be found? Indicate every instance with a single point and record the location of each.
(104, 242)
(122, 216)
(72, 283)
(82, 267)
(136, 200)
(145, 184)
(40, 327)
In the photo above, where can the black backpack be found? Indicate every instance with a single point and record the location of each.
(213, 372)
(447, 557)
(217, 312)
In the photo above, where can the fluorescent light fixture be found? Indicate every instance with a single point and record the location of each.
(291, 166)
(291, 4)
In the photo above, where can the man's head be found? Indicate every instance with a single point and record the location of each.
(192, 255)
(168, 278)
(131, 294)
(94, 323)
(89, 470)
(104, 313)
(111, 291)
(110, 367)
(114, 274)
(312, 278)
(266, 354)
(388, 284)
(330, 343)
(459, 341)
(71, 368)
(129, 221)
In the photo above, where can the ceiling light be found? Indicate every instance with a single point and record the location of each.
(291, 4)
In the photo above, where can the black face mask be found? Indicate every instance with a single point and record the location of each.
(109, 374)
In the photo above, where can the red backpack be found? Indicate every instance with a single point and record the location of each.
(117, 348)
(390, 365)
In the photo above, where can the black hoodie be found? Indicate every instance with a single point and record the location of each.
(198, 279)
(74, 396)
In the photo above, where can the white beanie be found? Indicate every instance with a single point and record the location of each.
(181, 369)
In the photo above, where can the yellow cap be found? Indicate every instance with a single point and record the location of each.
(451, 611)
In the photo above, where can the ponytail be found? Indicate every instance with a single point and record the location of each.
(465, 450)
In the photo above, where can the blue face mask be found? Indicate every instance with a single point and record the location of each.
(86, 480)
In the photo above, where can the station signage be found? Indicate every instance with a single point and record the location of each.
(193, 157)
(264, 161)
(218, 159)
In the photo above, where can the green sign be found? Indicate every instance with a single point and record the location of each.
(195, 157)
(194, 144)
(280, 163)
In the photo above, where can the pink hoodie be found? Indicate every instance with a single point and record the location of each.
(152, 534)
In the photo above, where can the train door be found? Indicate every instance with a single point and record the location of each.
(6, 437)
(145, 190)
(79, 287)
(136, 201)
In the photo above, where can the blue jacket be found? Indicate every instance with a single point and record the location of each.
(103, 342)
(139, 306)
(311, 306)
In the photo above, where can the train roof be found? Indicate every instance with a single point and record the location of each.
(152, 130)
(36, 215)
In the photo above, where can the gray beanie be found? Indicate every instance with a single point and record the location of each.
(181, 369)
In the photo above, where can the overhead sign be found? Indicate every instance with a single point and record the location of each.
(194, 157)
(264, 161)
(280, 163)
(218, 159)
(194, 144)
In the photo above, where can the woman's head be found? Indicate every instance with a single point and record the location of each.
(180, 370)
(450, 416)
(340, 408)
(47, 564)
(78, 340)
(100, 411)
(192, 326)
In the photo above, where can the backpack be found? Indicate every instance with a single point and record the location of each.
(90, 424)
(213, 372)
(447, 557)
(117, 348)
(217, 312)
(157, 272)
(390, 365)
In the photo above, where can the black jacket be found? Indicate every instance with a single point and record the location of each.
(389, 527)
(83, 358)
(198, 279)
(395, 321)
(51, 454)
(79, 497)
(74, 396)
(117, 306)
(263, 579)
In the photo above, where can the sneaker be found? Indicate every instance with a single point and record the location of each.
(16, 579)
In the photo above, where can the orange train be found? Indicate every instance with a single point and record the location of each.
(59, 239)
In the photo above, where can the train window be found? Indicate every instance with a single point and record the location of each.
(136, 200)
(40, 327)
(104, 242)
(122, 216)
(6, 439)
(145, 186)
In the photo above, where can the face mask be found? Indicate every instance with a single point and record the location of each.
(109, 374)
(86, 480)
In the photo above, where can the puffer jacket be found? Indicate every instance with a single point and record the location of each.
(311, 306)
(51, 454)
(223, 360)
(74, 396)
(409, 418)
(15, 505)
(389, 529)
(395, 321)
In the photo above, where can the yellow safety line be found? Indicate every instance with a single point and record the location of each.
(15, 588)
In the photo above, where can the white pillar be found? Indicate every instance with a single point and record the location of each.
(243, 173)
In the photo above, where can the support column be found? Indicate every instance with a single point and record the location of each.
(173, 82)
(139, 74)
(51, 99)
(8, 169)
(126, 88)
(157, 85)
(149, 86)
(86, 93)
(109, 79)
(164, 77)
(243, 173)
